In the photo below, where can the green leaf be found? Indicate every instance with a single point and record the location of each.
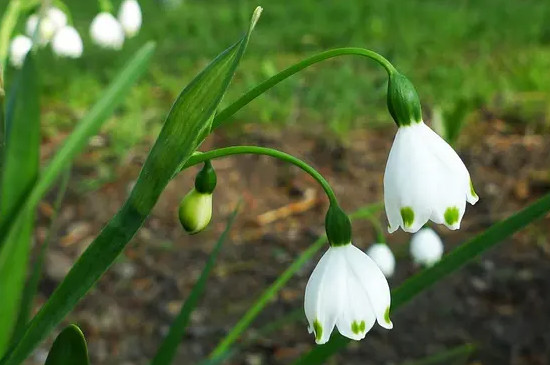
(9, 21)
(450, 263)
(167, 349)
(31, 288)
(20, 170)
(455, 356)
(69, 348)
(181, 133)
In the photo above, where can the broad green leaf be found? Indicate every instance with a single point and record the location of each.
(449, 263)
(181, 133)
(31, 287)
(167, 350)
(69, 348)
(20, 170)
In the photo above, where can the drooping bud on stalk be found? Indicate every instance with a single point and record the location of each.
(403, 101)
(195, 209)
(338, 226)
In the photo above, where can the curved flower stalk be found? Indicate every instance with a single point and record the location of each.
(383, 256)
(129, 16)
(19, 47)
(424, 179)
(67, 43)
(107, 32)
(426, 247)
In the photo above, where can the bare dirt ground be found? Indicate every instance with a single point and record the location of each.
(500, 303)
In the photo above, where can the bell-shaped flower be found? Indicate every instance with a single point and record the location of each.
(45, 32)
(106, 31)
(382, 255)
(346, 290)
(426, 247)
(425, 180)
(195, 211)
(19, 47)
(57, 17)
(129, 16)
(67, 43)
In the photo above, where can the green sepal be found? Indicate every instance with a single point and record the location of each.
(338, 226)
(403, 102)
(206, 179)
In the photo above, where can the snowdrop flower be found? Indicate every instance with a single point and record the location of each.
(67, 43)
(346, 288)
(382, 255)
(426, 247)
(425, 179)
(195, 211)
(46, 31)
(107, 32)
(19, 47)
(57, 17)
(129, 16)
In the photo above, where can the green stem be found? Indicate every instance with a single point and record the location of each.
(380, 236)
(105, 6)
(240, 150)
(269, 83)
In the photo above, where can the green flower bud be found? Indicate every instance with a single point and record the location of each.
(206, 179)
(195, 211)
(338, 226)
(403, 101)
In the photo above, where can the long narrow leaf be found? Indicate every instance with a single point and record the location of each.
(21, 163)
(181, 133)
(69, 348)
(32, 286)
(167, 350)
(450, 263)
(9, 20)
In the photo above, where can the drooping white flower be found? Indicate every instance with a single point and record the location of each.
(129, 16)
(425, 180)
(106, 31)
(426, 247)
(19, 47)
(45, 32)
(382, 255)
(346, 290)
(67, 43)
(195, 211)
(57, 17)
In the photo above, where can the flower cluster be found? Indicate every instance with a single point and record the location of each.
(53, 28)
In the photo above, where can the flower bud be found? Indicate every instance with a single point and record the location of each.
(195, 211)
(129, 17)
(426, 247)
(338, 226)
(403, 101)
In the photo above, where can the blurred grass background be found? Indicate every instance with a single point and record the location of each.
(465, 57)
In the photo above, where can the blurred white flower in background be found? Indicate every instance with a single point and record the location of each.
(425, 180)
(129, 16)
(426, 247)
(45, 32)
(107, 32)
(382, 255)
(67, 43)
(57, 17)
(346, 290)
(19, 47)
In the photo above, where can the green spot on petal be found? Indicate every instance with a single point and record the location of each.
(355, 327)
(362, 326)
(387, 316)
(407, 214)
(451, 215)
(318, 329)
(472, 191)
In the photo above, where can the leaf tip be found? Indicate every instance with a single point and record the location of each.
(255, 17)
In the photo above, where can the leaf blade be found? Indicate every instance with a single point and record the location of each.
(69, 348)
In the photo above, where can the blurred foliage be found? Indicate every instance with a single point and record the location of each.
(461, 55)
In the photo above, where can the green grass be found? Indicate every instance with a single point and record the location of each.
(461, 56)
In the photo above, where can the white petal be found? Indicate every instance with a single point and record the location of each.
(373, 281)
(323, 295)
(129, 16)
(357, 316)
(67, 43)
(107, 32)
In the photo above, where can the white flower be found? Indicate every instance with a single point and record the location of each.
(382, 255)
(67, 43)
(19, 47)
(346, 290)
(57, 17)
(107, 32)
(426, 247)
(195, 211)
(46, 31)
(425, 180)
(129, 16)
